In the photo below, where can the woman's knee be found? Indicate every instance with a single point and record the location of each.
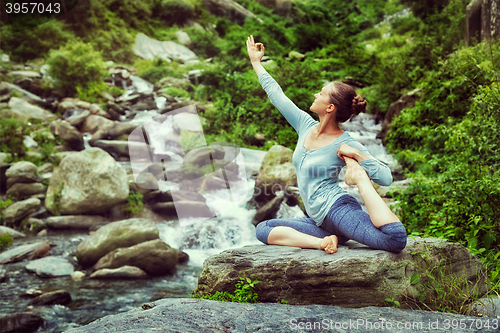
(262, 231)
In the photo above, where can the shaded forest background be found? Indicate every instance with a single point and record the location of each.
(448, 142)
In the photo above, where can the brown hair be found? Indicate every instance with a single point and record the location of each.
(346, 101)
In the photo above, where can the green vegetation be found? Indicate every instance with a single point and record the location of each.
(4, 204)
(5, 240)
(448, 143)
(134, 203)
(244, 293)
(439, 289)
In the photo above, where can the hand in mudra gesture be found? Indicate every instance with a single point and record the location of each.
(253, 49)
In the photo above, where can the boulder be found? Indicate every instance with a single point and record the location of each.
(121, 147)
(66, 131)
(154, 257)
(24, 190)
(183, 209)
(21, 322)
(22, 169)
(27, 251)
(75, 222)
(23, 109)
(113, 236)
(149, 48)
(124, 272)
(53, 297)
(204, 155)
(145, 182)
(87, 182)
(199, 315)
(93, 123)
(276, 174)
(269, 210)
(356, 276)
(21, 209)
(50, 267)
(45, 168)
(78, 117)
(15, 234)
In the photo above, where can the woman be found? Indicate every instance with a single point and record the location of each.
(322, 150)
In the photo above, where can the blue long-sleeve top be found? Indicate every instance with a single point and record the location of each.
(318, 169)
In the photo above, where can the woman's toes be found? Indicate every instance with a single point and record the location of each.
(329, 244)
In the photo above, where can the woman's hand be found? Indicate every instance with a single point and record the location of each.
(346, 150)
(253, 50)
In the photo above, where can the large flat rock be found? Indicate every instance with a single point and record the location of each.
(196, 315)
(356, 276)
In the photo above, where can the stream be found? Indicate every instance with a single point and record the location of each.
(231, 228)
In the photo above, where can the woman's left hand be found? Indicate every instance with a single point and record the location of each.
(346, 150)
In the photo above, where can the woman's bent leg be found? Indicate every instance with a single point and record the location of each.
(299, 232)
(346, 217)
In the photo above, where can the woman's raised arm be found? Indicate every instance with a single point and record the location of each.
(255, 55)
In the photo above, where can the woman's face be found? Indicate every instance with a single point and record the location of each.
(322, 99)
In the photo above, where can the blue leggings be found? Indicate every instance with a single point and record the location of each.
(347, 220)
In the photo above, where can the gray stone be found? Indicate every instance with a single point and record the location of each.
(66, 131)
(122, 148)
(184, 208)
(15, 234)
(124, 272)
(87, 182)
(355, 276)
(75, 221)
(23, 190)
(21, 209)
(50, 267)
(487, 306)
(27, 251)
(24, 109)
(276, 174)
(94, 122)
(149, 48)
(113, 236)
(32, 98)
(22, 169)
(31, 74)
(78, 119)
(204, 155)
(21, 322)
(154, 257)
(269, 210)
(52, 297)
(45, 168)
(198, 315)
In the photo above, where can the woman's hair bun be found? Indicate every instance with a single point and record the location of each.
(358, 105)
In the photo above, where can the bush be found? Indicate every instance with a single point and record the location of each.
(12, 139)
(77, 68)
(173, 12)
(243, 293)
(5, 240)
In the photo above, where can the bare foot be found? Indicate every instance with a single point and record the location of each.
(329, 244)
(355, 172)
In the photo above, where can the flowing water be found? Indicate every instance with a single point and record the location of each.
(231, 228)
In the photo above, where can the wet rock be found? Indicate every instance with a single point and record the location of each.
(87, 182)
(121, 148)
(269, 210)
(355, 276)
(115, 235)
(15, 234)
(78, 117)
(77, 275)
(27, 251)
(54, 297)
(24, 190)
(149, 48)
(20, 322)
(154, 257)
(183, 209)
(276, 174)
(204, 155)
(182, 257)
(50, 267)
(23, 109)
(69, 222)
(93, 123)
(231, 317)
(124, 272)
(45, 168)
(67, 132)
(145, 182)
(21, 209)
